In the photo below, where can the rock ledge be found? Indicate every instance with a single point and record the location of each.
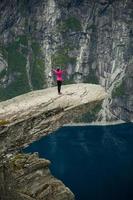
(28, 117)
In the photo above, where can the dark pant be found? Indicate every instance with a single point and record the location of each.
(59, 86)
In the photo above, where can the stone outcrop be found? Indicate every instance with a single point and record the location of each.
(27, 118)
(38, 113)
(28, 177)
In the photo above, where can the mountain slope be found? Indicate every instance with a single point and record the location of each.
(91, 39)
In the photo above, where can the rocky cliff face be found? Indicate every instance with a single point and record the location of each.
(27, 118)
(27, 177)
(91, 39)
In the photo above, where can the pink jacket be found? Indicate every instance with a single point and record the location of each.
(58, 74)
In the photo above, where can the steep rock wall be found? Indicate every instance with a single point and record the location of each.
(91, 39)
(27, 177)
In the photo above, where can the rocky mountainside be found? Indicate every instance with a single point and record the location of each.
(92, 39)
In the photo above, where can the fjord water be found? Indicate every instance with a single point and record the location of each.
(95, 162)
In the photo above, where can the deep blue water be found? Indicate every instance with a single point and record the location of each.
(95, 162)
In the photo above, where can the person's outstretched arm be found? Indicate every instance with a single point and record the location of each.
(64, 71)
(53, 70)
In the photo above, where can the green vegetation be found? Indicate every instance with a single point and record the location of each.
(91, 115)
(22, 40)
(91, 78)
(36, 48)
(70, 24)
(61, 57)
(92, 26)
(68, 81)
(3, 73)
(17, 87)
(16, 57)
(18, 161)
(129, 51)
(37, 72)
(119, 90)
(63, 3)
(22, 7)
(3, 122)
(3, 51)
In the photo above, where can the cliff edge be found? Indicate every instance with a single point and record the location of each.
(28, 117)
(33, 103)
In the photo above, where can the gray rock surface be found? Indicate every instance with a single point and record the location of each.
(38, 113)
(27, 118)
(92, 39)
(28, 177)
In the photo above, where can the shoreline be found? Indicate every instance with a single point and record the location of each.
(97, 123)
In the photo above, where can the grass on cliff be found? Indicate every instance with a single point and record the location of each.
(91, 78)
(18, 162)
(3, 73)
(16, 59)
(15, 56)
(38, 66)
(22, 7)
(70, 24)
(17, 87)
(3, 51)
(3, 122)
(118, 91)
(61, 58)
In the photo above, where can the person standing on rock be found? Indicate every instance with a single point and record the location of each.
(58, 72)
